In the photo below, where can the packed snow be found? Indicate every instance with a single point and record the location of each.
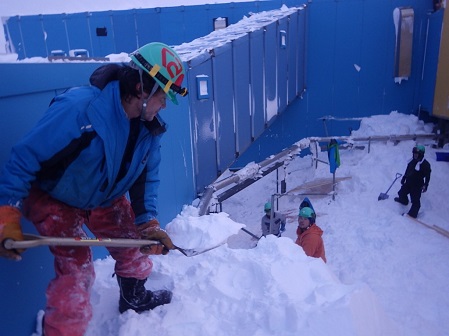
(189, 230)
(385, 274)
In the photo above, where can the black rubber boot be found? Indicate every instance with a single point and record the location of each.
(414, 209)
(133, 295)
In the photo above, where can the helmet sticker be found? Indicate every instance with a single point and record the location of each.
(173, 65)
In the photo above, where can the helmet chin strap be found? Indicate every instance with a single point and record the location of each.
(145, 101)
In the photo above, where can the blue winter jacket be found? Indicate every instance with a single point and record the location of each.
(75, 151)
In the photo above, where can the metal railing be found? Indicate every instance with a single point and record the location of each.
(255, 171)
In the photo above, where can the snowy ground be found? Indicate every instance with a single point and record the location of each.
(385, 275)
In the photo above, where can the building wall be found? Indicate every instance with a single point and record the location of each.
(251, 79)
(350, 61)
(111, 32)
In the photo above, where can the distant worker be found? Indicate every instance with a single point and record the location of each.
(415, 181)
(275, 226)
(309, 234)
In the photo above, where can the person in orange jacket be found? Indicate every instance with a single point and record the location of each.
(309, 234)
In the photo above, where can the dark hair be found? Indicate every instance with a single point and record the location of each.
(127, 76)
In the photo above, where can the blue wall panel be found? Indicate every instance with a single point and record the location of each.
(176, 170)
(148, 26)
(301, 42)
(13, 29)
(282, 64)
(256, 42)
(240, 60)
(173, 30)
(203, 126)
(47, 78)
(198, 22)
(56, 34)
(15, 121)
(101, 45)
(31, 29)
(124, 32)
(77, 30)
(321, 56)
(223, 93)
(270, 46)
(372, 77)
(23, 285)
(293, 43)
(347, 40)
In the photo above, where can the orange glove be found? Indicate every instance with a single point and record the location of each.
(10, 228)
(152, 231)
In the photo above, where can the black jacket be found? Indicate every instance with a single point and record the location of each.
(417, 174)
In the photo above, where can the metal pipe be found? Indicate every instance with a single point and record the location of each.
(377, 138)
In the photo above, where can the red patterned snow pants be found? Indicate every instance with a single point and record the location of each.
(68, 310)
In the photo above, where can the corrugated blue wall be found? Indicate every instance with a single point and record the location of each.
(252, 79)
(38, 35)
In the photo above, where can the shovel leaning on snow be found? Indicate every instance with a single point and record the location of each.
(384, 196)
(31, 240)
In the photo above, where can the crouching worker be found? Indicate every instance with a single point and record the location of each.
(309, 234)
(94, 145)
(275, 225)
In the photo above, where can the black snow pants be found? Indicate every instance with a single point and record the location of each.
(415, 197)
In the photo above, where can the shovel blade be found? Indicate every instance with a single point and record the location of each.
(195, 251)
(383, 196)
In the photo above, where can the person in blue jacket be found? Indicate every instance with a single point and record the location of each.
(95, 146)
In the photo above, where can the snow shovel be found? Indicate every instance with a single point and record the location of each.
(384, 196)
(31, 240)
(250, 233)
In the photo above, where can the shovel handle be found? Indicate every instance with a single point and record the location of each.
(31, 240)
(398, 175)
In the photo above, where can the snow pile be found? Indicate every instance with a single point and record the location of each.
(273, 289)
(203, 45)
(377, 263)
(381, 125)
(189, 230)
